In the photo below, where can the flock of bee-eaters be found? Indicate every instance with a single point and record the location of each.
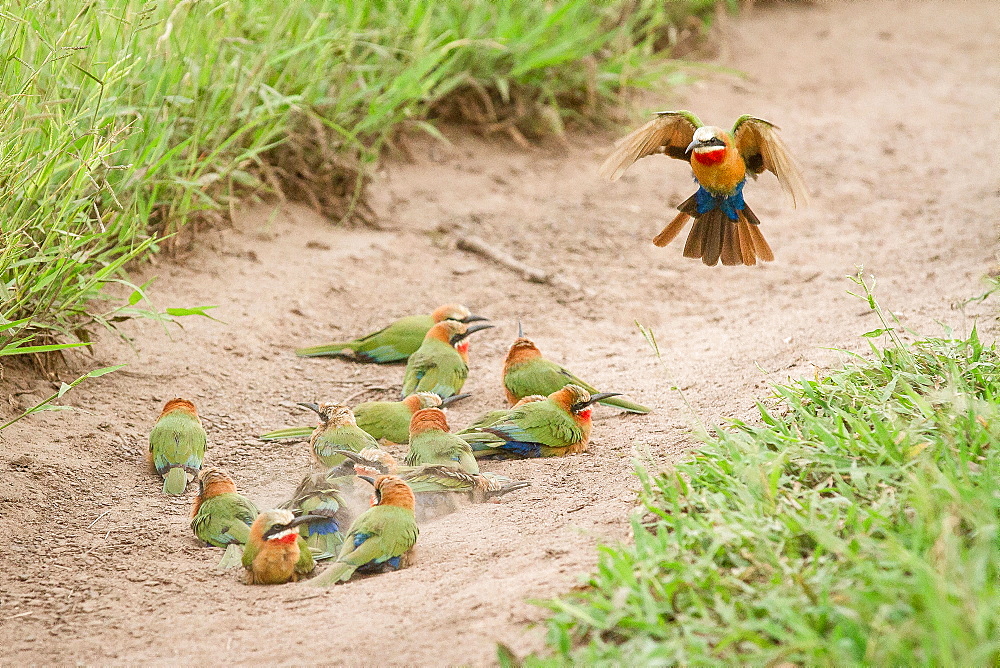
(549, 411)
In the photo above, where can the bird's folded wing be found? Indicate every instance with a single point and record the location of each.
(545, 424)
(758, 142)
(670, 133)
(420, 365)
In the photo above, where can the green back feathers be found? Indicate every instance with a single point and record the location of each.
(442, 449)
(384, 419)
(347, 437)
(436, 367)
(177, 443)
(539, 376)
(224, 519)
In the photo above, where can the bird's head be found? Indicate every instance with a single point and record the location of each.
(419, 400)
(370, 461)
(454, 333)
(530, 399)
(391, 490)
(709, 144)
(178, 404)
(332, 415)
(577, 400)
(455, 312)
(213, 481)
(522, 350)
(428, 419)
(277, 527)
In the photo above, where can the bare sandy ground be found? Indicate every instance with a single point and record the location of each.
(892, 109)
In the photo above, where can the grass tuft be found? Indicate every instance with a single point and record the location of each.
(123, 121)
(857, 523)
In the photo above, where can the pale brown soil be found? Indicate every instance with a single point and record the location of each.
(892, 109)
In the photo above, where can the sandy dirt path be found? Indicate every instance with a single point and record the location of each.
(892, 109)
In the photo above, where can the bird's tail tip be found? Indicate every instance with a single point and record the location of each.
(326, 350)
(175, 482)
(627, 405)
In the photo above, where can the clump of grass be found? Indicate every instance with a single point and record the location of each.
(120, 122)
(857, 523)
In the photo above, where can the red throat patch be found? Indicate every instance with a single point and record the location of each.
(713, 157)
(585, 414)
(286, 540)
(463, 347)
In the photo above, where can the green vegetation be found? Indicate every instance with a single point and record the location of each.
(121, 121)
(858, 523)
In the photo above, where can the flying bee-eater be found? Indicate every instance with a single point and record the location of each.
(724, 226)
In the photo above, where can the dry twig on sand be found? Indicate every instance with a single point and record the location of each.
(474, 244)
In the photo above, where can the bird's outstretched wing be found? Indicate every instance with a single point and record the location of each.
(758, 142)
(669, 133)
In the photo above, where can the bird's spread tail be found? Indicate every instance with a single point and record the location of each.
(175, 482)
(715, 237)
(625, 405)
(347, 349)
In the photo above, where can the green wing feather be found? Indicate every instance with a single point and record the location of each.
(437, 368)
(542, 422)
(224, 519)
(487, 419)
(306, 563)
(384, 419)
(760, 146)
(177, 439)
(441, 448)
(391, 532)
(432, 478)
(348, 437)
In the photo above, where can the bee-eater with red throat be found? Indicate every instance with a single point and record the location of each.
(724, 226)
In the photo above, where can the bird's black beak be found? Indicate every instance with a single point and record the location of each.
(714, 141)
(310, 406)
(471, 330)
(520, 330)
(452, 399)
(368, 479)
(305, 519)
(594, 398)
(472, 317)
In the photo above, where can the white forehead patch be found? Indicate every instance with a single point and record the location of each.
(703, 133)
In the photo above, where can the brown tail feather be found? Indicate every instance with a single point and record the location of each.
(670, 232)
(711, 244)
(746, 242)
(764, 251)
(689, 206)
(693, 245)
(731, 253)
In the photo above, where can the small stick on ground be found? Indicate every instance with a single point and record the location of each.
(365, 390)
(474, 244)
